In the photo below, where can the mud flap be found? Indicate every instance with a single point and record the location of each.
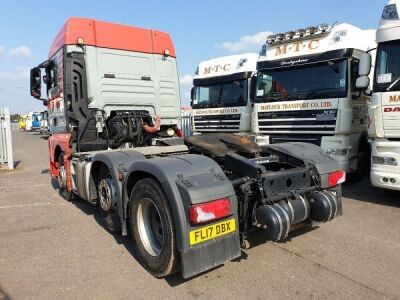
(209, 255)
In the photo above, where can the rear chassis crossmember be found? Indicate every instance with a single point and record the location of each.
(259, 187)
(278, 187)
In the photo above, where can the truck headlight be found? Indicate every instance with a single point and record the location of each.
(381, 160)
(170, 131)
(331, 151)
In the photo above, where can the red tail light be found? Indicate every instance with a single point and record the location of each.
(208, 211)
(336, 178)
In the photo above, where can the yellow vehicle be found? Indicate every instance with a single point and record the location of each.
(21, 123)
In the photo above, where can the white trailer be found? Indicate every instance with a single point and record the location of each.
(384, 110)
(306, 91)
(222, 92)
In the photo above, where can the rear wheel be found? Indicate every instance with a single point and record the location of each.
(106, 200)
(62, 179)
(152, 228)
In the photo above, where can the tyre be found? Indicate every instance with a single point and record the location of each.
(105, 199)
(152, 229)
(62, 179)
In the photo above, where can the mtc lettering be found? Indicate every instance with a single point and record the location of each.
(216, 69)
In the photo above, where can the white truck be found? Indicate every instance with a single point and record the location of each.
(306, 91)
(221, 94)
(384, 110)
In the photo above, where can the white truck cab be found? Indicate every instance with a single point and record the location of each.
(306, 91)
(221, 94)
(384, 110)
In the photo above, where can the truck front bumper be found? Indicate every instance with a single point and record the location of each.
(385, 176)
(385, 180)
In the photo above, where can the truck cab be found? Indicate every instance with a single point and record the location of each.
(99, 93)
(32, 122)
(384, 109)
(306, 91)
(221, 94)
(36, 121)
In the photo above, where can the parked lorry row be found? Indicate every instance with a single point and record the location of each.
(35, 121)
(315, 87)
(301, 88)
(189, 204)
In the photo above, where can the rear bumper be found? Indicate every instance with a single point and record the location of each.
(209, 255)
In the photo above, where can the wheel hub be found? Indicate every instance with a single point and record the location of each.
(62, 178)
(150, 226)
(106, 192)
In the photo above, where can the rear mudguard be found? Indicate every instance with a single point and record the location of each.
(117, 163)
(192, 179)
(186, 179)
(310, 154)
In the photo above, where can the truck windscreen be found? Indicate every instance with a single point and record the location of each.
(387, 75)
(312, 81)
(225, 94)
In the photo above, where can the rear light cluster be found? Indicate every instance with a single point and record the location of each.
(336, 178)
(209, 211)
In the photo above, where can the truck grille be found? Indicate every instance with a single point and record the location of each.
(318, 122)
(215, 123)
(312, 139)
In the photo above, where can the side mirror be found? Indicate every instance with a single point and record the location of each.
(362, 82)
(364, 65)
(36, 83)
(253, 82)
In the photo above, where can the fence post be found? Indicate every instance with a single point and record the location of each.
(2, 140)
(6, 153)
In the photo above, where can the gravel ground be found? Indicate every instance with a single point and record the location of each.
(50, 248)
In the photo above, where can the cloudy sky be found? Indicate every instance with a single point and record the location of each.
(200, 29)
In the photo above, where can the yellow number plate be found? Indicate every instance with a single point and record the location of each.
(209, 232)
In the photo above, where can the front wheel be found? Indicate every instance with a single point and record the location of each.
(152, 229)
(62, 179)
